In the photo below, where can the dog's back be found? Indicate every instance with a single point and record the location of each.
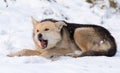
(93, 40)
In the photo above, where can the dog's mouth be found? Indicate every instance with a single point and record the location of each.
(43, 42)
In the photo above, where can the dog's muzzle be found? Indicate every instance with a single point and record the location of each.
(43, 42)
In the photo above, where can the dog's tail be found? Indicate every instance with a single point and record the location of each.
(112, 51)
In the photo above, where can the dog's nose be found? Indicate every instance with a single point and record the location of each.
(39, 35)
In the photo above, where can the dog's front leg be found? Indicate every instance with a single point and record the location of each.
(48, 54)
(25, 52)
(55, 52)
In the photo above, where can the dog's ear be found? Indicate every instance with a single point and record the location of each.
(34, 21)
(60, 24)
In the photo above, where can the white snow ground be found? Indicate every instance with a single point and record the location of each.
(16, 34)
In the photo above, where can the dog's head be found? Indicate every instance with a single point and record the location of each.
(47, 33)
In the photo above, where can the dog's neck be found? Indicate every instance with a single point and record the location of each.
(70, 29)
(65, 37)
(66, 42)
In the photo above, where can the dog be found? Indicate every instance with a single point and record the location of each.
(60, 38)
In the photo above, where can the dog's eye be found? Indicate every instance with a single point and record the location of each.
(46, 29)
(37, 30)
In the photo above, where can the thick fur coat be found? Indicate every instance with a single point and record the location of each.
(59, 38)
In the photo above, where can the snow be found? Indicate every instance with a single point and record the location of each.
(64, 64)
(16, 34)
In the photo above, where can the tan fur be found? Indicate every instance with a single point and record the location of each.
(85, 40)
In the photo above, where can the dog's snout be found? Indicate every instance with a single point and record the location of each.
(39, 35)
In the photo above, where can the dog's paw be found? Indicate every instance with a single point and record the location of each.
(23, 52)
(72, 55)
(49, 55)
(14, 54)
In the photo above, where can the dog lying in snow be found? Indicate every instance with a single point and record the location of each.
(59, 38)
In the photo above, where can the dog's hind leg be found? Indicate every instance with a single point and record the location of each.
(87, 40)
(25, 52)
